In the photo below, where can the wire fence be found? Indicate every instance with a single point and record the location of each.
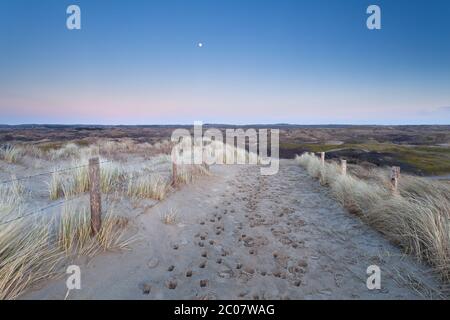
(66, 170)
(34, 212)
(49, 173)
(62, 202)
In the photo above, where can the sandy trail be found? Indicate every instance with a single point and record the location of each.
(245, 236)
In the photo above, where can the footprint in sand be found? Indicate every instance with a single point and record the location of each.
(202, 264)
(145, 287)
(225, 273)
(297, 283)
(281, 258)
(153, 263)
(249, 270)
(171, 268)
(171, 283)
(244, 293)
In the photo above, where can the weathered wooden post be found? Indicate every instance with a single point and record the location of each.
(395, 176)
(95, 195)
(322, 158)
(343, 167)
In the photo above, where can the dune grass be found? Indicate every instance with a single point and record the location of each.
(170, 216)
(187, 173)
(152, 186)
(23, 247)
(74, 234)
(11, 154)
(143, 182)
(76, 181)
(37, 248)
(55, 186)
(25, 257)
(11, 200)
(416, 217)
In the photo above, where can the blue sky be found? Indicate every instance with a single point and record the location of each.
(265, 61)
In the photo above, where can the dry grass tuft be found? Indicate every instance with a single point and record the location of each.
(75, 182)
(10, 200)
(416, 218)
(55, 186)
(112, 235)
(111, 176)
(37, 248)
(151, 186)
(25, 257)
(170, 216)
(11, 154)
(187, 173)
(74, 235)
(33, 151)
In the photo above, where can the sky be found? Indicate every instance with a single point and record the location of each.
(261, 61)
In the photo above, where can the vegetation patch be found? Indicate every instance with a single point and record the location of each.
(416, 217)
(422, 160)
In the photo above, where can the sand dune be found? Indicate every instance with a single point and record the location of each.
(240, 235)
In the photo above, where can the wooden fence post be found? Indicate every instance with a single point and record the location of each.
(95, 195)
(344, 167)
(395, 176)
(322, 158)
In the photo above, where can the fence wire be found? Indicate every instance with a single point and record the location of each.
(31, 213)
(59, 203)
(49, 173)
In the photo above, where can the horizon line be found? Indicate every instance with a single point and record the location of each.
(210, 124)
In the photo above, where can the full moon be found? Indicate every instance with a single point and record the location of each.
(200, 44)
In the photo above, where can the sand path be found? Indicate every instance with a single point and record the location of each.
(245, 236)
